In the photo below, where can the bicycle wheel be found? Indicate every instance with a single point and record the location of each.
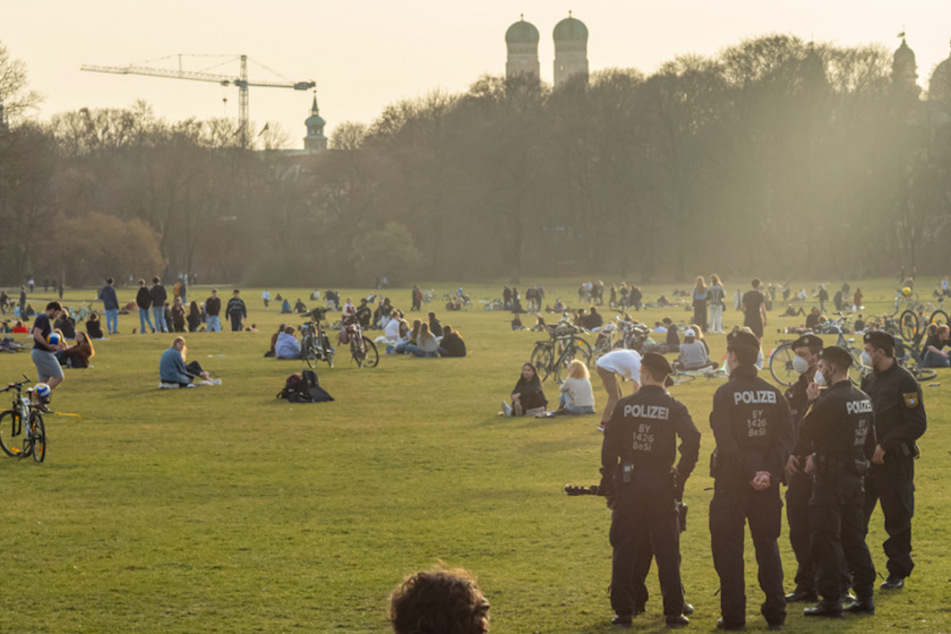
(572, 353)
(781, 365)
(908, 325)
(682, 377)
(542, 358)
(857, 371)
(357, 351)
(9, 428)
(938, 318)
(586, 347)
(370, 356)
(308, 351)
(913, 365)
(601, 347)
(37, 440)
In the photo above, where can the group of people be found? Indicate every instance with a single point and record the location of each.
(153, 305)
(423, 339)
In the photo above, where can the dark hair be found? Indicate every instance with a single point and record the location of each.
(109, 280)
(54, 305)
(432, 315)
(535, 379)
(438, 602)
(447, 329)
(141, 281)
(156, 279)
(745, 355)
(757, 282)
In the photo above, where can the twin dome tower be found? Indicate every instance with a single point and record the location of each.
(571, 50)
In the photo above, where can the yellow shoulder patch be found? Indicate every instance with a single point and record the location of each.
(911, 399)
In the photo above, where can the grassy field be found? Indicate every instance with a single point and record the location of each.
(223, 509)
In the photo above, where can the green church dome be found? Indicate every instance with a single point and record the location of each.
(521, 32)
(570, 30)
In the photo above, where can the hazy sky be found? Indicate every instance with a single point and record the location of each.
(365, 54)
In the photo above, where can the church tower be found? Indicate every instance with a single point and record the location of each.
(939, 89)
(315, 141)
(905, 70)
(571, 50)
(521, 40)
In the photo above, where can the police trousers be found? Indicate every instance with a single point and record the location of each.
(735, 503)
(893, 485)
(645, 521)
(837, 536)
(797, 513)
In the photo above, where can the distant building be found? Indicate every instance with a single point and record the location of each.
(939, 88)
(905, 70)
(521, 40)
(315, 141)
(571, 50)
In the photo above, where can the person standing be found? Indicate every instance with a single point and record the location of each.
(754, 309)
(839, 434)
(637, 459)
(213, 312)
(900, 420)
(266, 298)
(22, 302)
(612, 367)
(715, 296)
(753, 432)
(110, 306)
(159, 297)
(799, 483)
(48, 369)
(236, 310)
(823, 298)
(143, 300)
(700, 302)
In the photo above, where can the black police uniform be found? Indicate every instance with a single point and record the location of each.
(899, 421)
(838, 429)
(798, 492)
(640, 444)
(753, 431)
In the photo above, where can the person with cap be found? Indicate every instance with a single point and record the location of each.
(799, 483)
(637, 458)
(838, 433)
(900, 420)
(693, 354)
(752, 427)
(612, 368)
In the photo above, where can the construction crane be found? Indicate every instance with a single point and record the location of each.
(225, 80)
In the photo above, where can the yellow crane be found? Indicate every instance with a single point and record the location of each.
(241, 81)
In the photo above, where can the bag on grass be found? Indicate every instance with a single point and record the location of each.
(304, 388)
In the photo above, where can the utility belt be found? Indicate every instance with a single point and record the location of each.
(626, 471)
(906, 450)
(830, 464)
(718, 469)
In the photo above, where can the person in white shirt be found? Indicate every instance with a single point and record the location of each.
(349, 311)
(612, 367)
(577, 396)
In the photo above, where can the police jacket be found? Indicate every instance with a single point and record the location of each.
(798, 404)
(643, 433)
(839, 429)
(899, 411)
(752, 427)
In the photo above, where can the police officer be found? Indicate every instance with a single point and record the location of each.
(838, 431)
(753, 431)
(799, 483)
(640, 444)
(899, 421)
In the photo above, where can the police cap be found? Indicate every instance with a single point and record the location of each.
(880, 339)
(808, 341)
(837, 355)
(741, 338)
(658, 365)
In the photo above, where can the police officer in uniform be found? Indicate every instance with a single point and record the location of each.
(799, 484)
(899, 421)
(753, 431)
(640, 444)
(839, 433)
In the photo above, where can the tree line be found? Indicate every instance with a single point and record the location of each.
(774, 157)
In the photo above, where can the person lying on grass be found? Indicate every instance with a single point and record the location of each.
(174, 372)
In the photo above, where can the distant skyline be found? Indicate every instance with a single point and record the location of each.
(366, 55)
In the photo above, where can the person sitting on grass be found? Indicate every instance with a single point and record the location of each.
(452, 345)
(435, 326)
(693, 353)
(77, 356)
(517, 323)
(408, 339)
(19, 328)
(528, 398)
(426, 343)
(271, 351)
(94, 326)
(937, 339)
(577, 396)
(287, 346)
(439, 601)
(174, 372)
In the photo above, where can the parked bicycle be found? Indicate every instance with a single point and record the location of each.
(686, 376)
(362, 350)
(314, 342)
(25, 408)
(622, 334)
(781, 357)
(565, 344)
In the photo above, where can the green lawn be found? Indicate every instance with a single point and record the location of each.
(223, 509)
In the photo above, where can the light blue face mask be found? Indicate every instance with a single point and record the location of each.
(866, 359)
(800, 365)
(819, 378)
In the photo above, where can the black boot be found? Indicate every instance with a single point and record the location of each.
(864, 605)
(829, 609)
(677, 620)
(802, 595)
(622, 620)
(894, 582)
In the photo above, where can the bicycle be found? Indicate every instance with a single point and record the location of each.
(563, 346)
(686, 376)
(781, 357)
(631, 336)
(23, 409)
(362, 350)
(315, 344)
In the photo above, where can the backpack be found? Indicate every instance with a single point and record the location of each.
(304, 388)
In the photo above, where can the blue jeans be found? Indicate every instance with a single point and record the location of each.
(145, 319)
(112, 320)
(158, 314)
(574, 409)
(212, 323)
(932, 360)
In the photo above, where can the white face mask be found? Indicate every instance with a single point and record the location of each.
(819, 378)
(866, 359)
(800, 365)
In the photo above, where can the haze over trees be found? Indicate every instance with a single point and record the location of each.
(775, 157)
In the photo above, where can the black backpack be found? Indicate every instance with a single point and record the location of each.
(303, 387)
